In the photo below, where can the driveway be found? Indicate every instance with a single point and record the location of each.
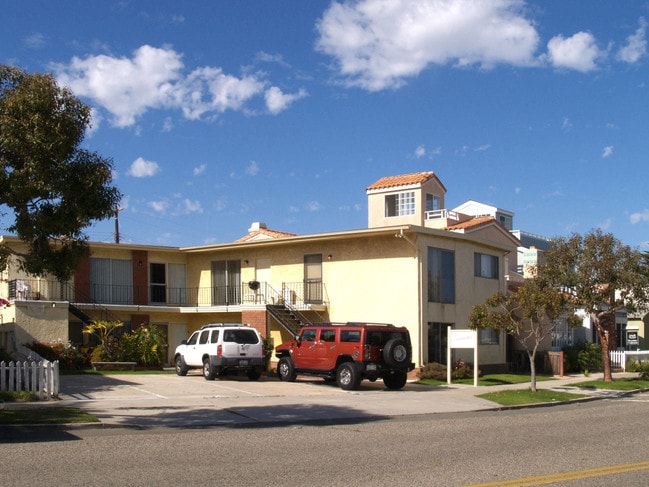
(170, 400)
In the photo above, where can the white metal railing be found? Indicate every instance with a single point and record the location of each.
(39, 378)
(619, 357)
(449, 214)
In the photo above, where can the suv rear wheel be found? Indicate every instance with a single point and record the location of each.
(286, 369)
(209, 372)
(348, 377)
(396, 380)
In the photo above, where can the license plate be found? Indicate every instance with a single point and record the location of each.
(243, 362)
(371, 366)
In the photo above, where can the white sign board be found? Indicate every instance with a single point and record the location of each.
(462, 339)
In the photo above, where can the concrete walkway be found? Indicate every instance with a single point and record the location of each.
(172, 401)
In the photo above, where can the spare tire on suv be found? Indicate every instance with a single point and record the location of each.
(348, 353)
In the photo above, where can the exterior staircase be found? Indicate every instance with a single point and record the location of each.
(289, 318)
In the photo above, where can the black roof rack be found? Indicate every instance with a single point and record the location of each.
(352, 323)
(213, 325)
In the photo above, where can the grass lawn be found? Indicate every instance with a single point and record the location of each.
(489, 380)
(621, 384)
(526, 396)
(44, 415)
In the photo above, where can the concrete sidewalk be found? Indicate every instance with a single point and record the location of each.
(172, 401)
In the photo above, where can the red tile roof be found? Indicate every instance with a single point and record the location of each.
(473, 223)
(265, 233)
(402, 180)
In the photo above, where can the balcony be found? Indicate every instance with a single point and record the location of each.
(300, 295)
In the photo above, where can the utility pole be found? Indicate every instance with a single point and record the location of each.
(117, 210)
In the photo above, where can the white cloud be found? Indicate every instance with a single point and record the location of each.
(34, 41)
(252, 169)
(153, 78)
(642, 216)
(608, 151)
(198, 170)
(636, 45)
(188, 206)
(277, 102)
(208, 90)
(141, 168)
(313, 206)
(379, 44)
(420, 151)
(158, 206)
(579, 52)
(127, 88)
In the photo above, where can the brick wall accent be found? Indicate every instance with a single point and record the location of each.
(257, 319)
(140, 277)
(82, 279)
(139, 320)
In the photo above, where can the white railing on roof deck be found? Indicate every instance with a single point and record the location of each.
(39, 378)
(448, 214)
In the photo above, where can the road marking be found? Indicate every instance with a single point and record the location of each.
(564, 476)
(147, 392)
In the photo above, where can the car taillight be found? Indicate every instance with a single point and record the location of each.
(367, 350)
(219, 350)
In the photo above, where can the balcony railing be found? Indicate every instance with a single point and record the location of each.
(299, 295)
(447, 214)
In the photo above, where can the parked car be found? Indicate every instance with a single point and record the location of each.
(222, 349)
(348, 353)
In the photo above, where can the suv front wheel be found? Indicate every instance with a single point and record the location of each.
(348, 377)
(286, 369)
(181, 367)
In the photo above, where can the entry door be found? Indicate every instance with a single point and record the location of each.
(226, 282)
(437, 342)
(313, 278)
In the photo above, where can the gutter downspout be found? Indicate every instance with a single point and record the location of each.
(420, 310)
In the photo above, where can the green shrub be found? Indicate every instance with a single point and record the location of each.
(145, 345)
(634, 365)
(69, 356)
(582, 358)
(437, 371)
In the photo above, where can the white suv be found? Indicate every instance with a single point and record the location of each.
(221, 349)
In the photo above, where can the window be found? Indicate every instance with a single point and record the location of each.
(193, 339)
(158, 283)
(204, 336)
(488, 336)
(350, 336)
(485, 265)
(400, 204)
(441, 275)
(328, 335)
(432, 202)
(215, 336)
(308, 336)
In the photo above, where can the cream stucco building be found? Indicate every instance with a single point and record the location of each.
(417, 264)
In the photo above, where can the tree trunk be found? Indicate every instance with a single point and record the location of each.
(532, 357)
(606, 332)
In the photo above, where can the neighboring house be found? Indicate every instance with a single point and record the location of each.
(417, 265)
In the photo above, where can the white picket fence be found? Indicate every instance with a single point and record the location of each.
(620, 357)
(40, 378)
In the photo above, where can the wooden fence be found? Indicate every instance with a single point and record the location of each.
(39, 378)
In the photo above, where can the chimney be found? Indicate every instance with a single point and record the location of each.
(256, 226)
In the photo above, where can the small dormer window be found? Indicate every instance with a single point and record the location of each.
(400, 204)
(433, 202)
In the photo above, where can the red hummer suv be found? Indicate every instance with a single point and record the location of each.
(348, 353)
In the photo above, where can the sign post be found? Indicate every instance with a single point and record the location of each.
(462, 339)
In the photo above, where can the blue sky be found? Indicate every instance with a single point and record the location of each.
(218, 114)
